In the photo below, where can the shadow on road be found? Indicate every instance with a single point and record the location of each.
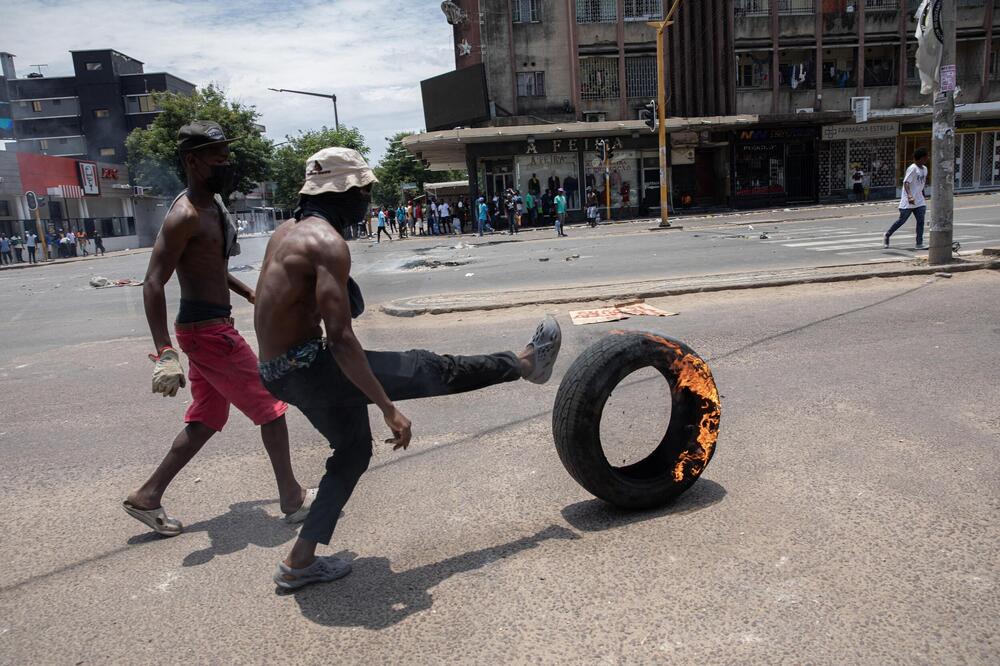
(375, 597)
(596, 515)
(244, 524)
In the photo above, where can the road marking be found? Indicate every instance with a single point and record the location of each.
(866, 238)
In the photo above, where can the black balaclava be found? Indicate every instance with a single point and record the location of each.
(340, 209)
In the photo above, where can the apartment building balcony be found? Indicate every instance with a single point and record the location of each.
(52, 107)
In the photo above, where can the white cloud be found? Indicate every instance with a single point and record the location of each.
(371, 53)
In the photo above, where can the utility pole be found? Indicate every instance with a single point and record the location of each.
(661, 99)
(943, 142)
(336, 118)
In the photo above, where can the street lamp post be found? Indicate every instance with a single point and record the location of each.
(661, 99)
(336, 118)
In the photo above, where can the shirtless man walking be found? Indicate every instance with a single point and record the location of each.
(196, 241)
(305, 282)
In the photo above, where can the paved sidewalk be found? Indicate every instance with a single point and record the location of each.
(497, 300)
(72, 260)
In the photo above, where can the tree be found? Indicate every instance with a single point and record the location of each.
(288, 165)
(399, 167)
(153, 159)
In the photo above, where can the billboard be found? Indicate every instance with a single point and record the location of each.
(455, 99)
(88, 178)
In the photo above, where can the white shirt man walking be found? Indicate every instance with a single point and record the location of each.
(912, 200)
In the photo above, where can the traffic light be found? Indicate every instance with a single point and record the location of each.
(648, 114)
(599, 149)
(610, 150)
(32, 200)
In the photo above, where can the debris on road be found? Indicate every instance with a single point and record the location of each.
(942, 274)
(469, 274)
(98, 282)
(572, 257)
(617, 313)
(543, 259)
(764, 236)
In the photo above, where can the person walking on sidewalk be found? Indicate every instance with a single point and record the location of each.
(483, 214)
(560, 203)
(98, 243)
(5, 256)
(326, 372)
(81, 241)
(31, 242)
(912, 201)
(196, 240)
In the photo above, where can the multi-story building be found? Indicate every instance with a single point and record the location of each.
(560, 75)
(814, 56)
(87, 115)
(760, 97)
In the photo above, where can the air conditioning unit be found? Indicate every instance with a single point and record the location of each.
(808, 109)
(138, 191)
(861, 106)
(594, 116)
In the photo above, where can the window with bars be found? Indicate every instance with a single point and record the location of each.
(643, 10)
(995, 61)
(763, 7)
(881, 5)
(640, 76)
(525, 11)
(531, 84)
(596, 11)
(599, 78)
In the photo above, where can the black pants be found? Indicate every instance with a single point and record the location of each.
(382, 230)
(904, 215)
(339, 410)
(31, 255)
(99, 247)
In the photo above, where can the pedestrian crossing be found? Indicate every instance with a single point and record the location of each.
(868, 240)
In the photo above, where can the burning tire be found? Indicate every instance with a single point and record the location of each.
(686, 447)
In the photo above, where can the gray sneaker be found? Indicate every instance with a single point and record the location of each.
(322, 570)
(919, 246)
(545, 346)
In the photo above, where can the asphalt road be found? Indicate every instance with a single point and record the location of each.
(849, 515)
(39, 307)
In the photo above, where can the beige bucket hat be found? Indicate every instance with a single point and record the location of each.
(336, 170)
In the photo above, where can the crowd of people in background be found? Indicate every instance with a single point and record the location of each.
(505, 212)
(61, 245)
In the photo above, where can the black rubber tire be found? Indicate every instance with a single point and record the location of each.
(688, 444)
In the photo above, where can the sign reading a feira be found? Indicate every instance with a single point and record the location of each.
(860, 131)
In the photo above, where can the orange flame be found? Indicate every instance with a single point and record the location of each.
(693, 374)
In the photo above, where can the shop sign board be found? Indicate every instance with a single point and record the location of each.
(860, 131)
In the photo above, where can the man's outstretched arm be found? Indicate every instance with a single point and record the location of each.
(167, 251)
(333, 268)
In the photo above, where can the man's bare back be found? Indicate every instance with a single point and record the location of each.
(287, 312)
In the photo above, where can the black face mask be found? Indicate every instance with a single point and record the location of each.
(220, 178)
(340, 209)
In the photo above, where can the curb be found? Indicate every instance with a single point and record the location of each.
(409, 308)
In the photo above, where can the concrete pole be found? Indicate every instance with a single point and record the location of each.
(943, 145)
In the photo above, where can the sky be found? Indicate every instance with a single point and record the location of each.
(371, 53)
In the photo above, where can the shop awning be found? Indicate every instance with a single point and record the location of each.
(449, 187)
(446, 149)
(975, 110)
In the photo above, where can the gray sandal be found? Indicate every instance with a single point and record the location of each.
(322, 570)
(156, 519)
(545, 348)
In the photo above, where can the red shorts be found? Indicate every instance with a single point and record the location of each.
(223, 371)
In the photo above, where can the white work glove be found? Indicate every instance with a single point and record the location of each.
(168, 375)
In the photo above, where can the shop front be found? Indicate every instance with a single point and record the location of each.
(74, 195)
(867, 149)
(774, 166)
(977, 152)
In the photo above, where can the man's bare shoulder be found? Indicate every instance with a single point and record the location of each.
(182, 214)
(314, 240)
